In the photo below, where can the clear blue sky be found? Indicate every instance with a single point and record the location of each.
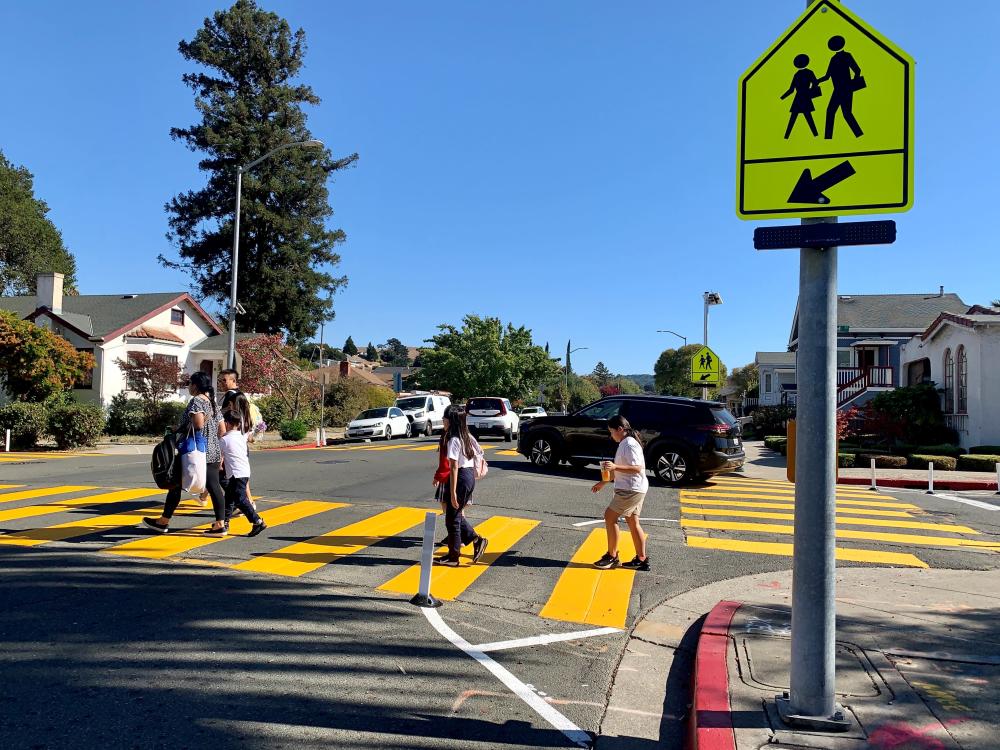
(568, 166)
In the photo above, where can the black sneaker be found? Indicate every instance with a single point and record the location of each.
(260, 526)
(478, 548)
(636, 564)
(606, 562)
(151, 523)
(219, 533)
(446, 562)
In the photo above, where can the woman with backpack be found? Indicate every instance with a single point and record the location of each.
(462, 452)
(201, 415)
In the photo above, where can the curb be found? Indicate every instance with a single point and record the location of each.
(711, 726)
(921, 484)
(311, 444)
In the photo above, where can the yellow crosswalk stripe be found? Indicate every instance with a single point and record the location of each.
(774, 528)
(424, 448)
(756, 486)
(449, 583)
(65, 489)
(4, 459)
(10, 486)
(588, 595)
(692, 502)
(786, 498)
(776, 548)
(60, 506)
(83, 527)
(508, 453)
(179, 542)
(304, 557)
(889, 524)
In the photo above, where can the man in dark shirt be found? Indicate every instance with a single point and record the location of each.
(229, 386)
(842, 65)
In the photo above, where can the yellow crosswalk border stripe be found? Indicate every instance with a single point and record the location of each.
(692, 502)
(304, 557)
(753, 486)
(424, 448)
(60, 506)
(6, 460)
(65, 489)
(786, 498)
(588, 595)
(786, 490)
(508, 453)
(83, 527)
(449, 583)
(785, 550)
(10, 486)
(178, 542)
(889, 524)
(774, 528)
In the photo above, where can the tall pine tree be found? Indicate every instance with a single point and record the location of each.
(250, 103)
(350, 347)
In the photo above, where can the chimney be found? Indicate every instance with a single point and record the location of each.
(941, 290)
(345, 368)
(50, 291)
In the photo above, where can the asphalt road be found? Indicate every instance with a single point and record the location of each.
(114, 637)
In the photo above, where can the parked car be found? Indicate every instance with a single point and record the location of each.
(489, 415)
(385, 422)
(684, 438)
(425, 412)
(531, 412)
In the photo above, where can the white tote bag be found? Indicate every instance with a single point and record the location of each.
(194, 470)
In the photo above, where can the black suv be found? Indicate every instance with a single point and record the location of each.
(684, 438)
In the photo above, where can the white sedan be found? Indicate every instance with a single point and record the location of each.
(387, 422)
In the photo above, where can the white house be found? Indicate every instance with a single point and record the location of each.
(113, 326)
(960, 353)
(777, 378)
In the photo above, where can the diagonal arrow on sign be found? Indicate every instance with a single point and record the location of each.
(810, 189)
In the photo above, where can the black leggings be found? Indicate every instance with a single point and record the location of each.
(214, 489)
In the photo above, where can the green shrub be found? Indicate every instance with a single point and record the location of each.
(293, 429)
(272, 409)
(890, 462)
(27, 423)
(126, 416)
(775, 443)
(168, 417)
(770, 420)
(980, 462)
(944, 463)
(985, 450)
(76, 425)
(945, 449)
(845, 460)
(348, 397)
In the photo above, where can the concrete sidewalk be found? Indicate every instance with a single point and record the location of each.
(918, 659)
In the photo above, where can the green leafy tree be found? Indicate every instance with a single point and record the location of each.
(371, 353)
(601, 375)
(36, 364)
(30, 244)
(350, 347)
(673, 373)
(569, 364)
(395, 353)
(745, 379)
(484, 357)
(250, 102)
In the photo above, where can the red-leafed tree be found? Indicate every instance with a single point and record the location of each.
(268, 367)
(153, 378)
(610, 389)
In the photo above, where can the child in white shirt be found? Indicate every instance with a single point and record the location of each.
(237, 464)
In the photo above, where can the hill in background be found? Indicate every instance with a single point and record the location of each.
(646, 382)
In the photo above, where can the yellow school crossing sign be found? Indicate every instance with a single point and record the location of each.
(706, 368)
(825, 121)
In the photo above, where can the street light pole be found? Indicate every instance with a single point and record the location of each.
(233, 304)
(568, 352)
(667, 330)
(711, 298)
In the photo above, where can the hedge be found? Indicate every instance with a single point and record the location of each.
(889, 462)
(944, 463)
(27, 423)
(945, 449)
(985, 450)
(845, 460)
(775, 443)
(981, 462)
(293, 429)
(126, 416)
(76, 425)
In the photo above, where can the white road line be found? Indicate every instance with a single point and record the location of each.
(968, 501)
(577, 736)
(622, 520)
(539, 640)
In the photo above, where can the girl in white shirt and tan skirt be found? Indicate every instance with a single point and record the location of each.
(629, 473)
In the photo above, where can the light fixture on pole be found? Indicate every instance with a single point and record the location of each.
(233, 304)
(667, 330)
(711, 298)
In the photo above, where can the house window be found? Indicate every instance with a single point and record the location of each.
(949, 382)
(177, 317)
(963, 381)
(767, 382)
(843, 358)
(131, 381)
(87, 381)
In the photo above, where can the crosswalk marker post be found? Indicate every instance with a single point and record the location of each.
(423, 596)
(6, 443)
(998, 479)
(873, 487)
(930, 478)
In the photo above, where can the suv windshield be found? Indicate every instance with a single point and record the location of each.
(411, 403)
(373, 414)
(484, 404)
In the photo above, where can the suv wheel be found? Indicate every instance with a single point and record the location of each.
(673, 467)
(543, 452)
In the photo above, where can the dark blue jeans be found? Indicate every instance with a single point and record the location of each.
(460, 531)
(236, 495)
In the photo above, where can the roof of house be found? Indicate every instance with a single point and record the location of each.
(976, 316)
(774, 358)
(104, 315)
(333, 373)
(157, 334)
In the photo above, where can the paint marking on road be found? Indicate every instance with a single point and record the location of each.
(775, 528)
(424, 448)
(541, 640)
(576, 735)
(785, 550)
(10, 497)
(622, 520)
(304, 557)
(10, 486)
(778, 486)
(585, 594)
(60, 506)
(841, 519)
(968, 501)
(84, 527)
(507, 452)
(503, 533)
(786, 498)
(856, 510)
(159, 546)
(5, 460)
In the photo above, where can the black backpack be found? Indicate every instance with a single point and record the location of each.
(166, 464)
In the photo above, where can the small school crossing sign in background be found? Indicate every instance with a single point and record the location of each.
(825, 120)
(706, 369)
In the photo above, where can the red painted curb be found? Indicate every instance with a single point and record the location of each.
(291, 447)
(711, 726)
(920, 484)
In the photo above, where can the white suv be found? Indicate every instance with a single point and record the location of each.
(488, 415)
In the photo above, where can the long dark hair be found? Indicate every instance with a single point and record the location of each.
(203, 384)
(458, 428)
(618, 422)
(241, 406)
